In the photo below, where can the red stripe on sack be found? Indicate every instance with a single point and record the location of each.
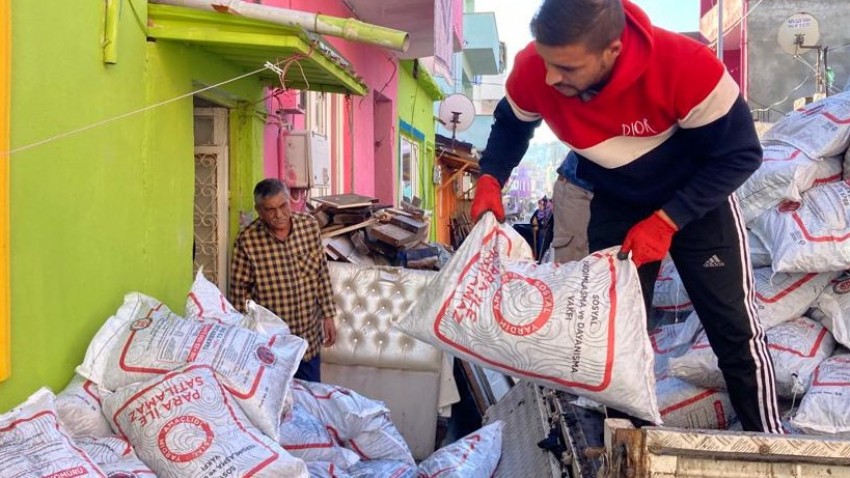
(828, 180)
(809, 354)
(87, 387)
(199, 343)
(197, 304)
(690, 401)
(257, 379)
(358, 450)
(789, 158)
(835, 119)
(791, 288)
(674, 307)
(816, 380)
(808, 235)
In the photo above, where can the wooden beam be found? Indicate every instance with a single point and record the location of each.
(354, 227)
(452, 177)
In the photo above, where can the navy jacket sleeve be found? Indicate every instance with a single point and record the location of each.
(731, 151)
(508, 142)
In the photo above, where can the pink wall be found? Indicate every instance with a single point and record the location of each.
(379, 70)
(457, 13)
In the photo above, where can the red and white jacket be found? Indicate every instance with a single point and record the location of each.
(669, 130)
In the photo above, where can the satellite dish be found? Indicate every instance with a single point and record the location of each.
(457, 113)
(798, 33)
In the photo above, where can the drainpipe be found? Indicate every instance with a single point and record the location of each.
(720, 33)
(348, 28)
(351, 143)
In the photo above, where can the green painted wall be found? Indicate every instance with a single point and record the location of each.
(108, 210)
(416, 108)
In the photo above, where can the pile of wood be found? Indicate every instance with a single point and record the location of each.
(357, 229)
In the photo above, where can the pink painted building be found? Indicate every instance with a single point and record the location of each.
(355, 136)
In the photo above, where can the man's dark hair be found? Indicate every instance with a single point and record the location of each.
(594, 23)
(268, 188)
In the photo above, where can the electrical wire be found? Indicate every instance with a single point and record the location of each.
(783, 100)
(128, 114)
(737, 24)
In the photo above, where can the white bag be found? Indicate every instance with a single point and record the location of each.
(344, 412)
(672, 340)
(796, 347)
(670, 294)
(473, 456)
(115, 456)
(832, 309)
(358, 423)
(810, 237)
(578, 327)
(306, 437)
(129, 467)
(264, 321)
(759, 253)
(384, 443)
(34, 444)
(821, 129)
(105, 450)
(382, 468)
(784, 174)
(687, 406)
(206, 302)
(830, 170)
(185, 423)
(144, 339)
(78, 407)
(324, 469)
(781, 297)
(846, 165)
(825, 409)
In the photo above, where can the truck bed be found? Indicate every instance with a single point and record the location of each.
(546, 436)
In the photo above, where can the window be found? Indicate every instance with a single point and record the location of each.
(318, 115)
(409, 169)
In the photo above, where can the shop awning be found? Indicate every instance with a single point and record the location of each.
(250, 43)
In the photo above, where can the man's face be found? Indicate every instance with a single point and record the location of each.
(275, 212)
(573, 69)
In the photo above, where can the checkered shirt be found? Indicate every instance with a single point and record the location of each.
(288, 277)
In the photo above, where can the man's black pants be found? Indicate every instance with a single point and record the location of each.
(712, 258)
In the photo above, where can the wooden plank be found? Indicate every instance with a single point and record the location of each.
(348, 218)
(354, 227)
(346, 201)
(332, 227)
(358, 238)
(451, 178)
(322, 218)
(392, 235)
(408, 223)
(345, 249)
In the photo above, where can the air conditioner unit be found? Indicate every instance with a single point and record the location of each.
(308, 160)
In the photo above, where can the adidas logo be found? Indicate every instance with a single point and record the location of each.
(713, 261)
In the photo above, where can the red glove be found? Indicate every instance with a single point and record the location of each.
(488, 197)
(649, 240)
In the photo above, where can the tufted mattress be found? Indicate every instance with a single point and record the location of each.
(375, 359)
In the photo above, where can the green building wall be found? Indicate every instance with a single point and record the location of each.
(416, 97)
(109, 209)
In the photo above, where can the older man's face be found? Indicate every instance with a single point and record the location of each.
(275, 212)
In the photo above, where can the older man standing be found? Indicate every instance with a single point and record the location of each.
(278, 262)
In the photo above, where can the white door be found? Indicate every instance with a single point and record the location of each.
(211, 194)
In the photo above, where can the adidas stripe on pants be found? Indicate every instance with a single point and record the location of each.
(712, 258)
